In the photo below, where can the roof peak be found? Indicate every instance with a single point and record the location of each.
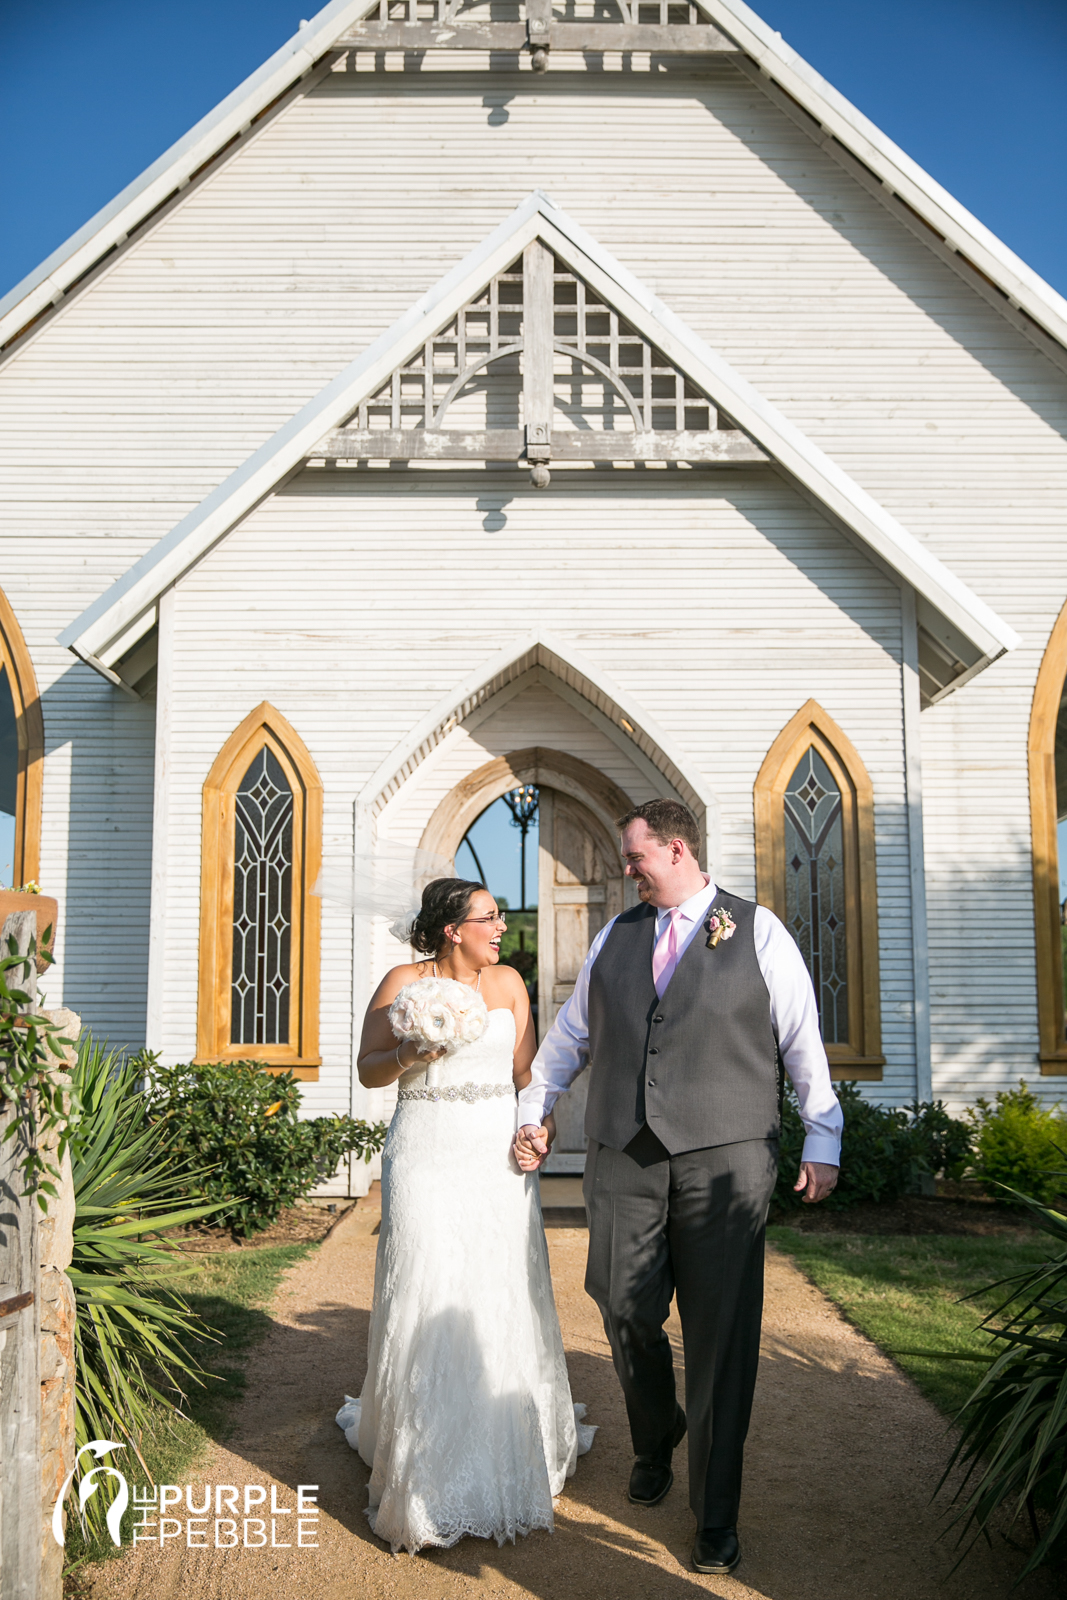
(966, 631)
(760, 52)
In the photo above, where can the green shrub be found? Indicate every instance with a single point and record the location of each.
(132, 1328)
(243, 1125)
(1022, 1143)
(886, 1149)
(1013, 1438)
(945, 1141)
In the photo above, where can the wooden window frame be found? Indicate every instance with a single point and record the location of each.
(262, 727)
(1041, 760)
(29, 723)
(813, 728)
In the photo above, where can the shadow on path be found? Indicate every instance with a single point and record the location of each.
(843, 1455)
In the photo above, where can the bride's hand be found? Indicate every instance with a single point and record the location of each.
(533, 1144)
(421, 1058)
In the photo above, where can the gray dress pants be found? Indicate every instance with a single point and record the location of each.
(692, 1224)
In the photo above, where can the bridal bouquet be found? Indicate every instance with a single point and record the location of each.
(439, 1014)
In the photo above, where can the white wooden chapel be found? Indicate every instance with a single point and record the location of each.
(578, 393)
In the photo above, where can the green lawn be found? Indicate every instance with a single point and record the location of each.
(231, 1292)
(906, 1292)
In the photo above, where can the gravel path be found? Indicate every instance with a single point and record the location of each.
(842, 1458)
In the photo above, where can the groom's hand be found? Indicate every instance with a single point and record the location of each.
(531, 1146)
(817, 1179)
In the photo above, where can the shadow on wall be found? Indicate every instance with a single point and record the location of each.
(105, 903)
(983, 980)
(1012, 360)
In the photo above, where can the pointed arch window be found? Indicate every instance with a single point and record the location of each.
(259, 922)
(21, 756)
(815, 868)
(1047, 756)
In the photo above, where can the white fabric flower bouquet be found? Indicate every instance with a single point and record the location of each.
(438, 1014)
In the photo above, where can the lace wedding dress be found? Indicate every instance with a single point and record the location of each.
(466, 1418)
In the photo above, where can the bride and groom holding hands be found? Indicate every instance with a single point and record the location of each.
(685, 1010)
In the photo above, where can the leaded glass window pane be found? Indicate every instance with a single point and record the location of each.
(9, 779)
(815, 887)
(262, 904)
(1061, 827)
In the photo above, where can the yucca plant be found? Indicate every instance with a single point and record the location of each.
(132, 1326)
(1014, 1438)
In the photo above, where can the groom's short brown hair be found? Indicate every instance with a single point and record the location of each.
(667, 820)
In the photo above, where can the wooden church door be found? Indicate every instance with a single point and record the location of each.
(580, 888)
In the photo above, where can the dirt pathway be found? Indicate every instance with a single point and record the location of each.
(842, 1457)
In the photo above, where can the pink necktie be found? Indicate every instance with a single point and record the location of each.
(665, 955)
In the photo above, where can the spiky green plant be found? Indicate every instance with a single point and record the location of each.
(132, 1325)
(1013, 1442)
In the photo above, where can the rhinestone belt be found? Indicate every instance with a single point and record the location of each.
(459, 1091)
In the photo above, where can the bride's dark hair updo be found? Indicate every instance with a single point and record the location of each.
(444, 901)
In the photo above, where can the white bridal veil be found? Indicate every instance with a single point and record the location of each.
(384, 882)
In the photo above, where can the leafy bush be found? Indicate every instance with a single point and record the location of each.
(886, 1149)
(1021, 1143)
(944, 1141)
(131, 1325)
(30, 1052)
(241, 1124)
(1013, 1442)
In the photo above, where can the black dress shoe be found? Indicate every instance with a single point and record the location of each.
(651, 1477)
(716, 1550)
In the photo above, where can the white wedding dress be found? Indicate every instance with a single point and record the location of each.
(466, 1418)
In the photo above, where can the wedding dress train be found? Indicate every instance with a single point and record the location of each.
(465, 1419)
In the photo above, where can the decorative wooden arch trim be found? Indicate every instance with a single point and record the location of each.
(262, 727)
(29, 723)
(812, 727)
(1041, 759)
(554, 768)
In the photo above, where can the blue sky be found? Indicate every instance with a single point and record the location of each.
(90, 94)
(499, 845)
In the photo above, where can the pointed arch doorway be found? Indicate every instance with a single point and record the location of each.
(580, 885)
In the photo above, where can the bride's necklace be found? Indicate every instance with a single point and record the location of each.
(475, 986)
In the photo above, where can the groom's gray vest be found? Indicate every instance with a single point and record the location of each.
(700, 1064)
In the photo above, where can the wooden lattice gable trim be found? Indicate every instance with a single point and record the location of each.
(112, 624)
(673, 27)
(582, 383)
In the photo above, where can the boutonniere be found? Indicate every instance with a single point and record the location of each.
(720, 925)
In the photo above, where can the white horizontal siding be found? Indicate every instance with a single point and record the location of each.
(354, 605)
(148, 386)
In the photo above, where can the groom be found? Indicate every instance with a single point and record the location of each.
(682, 1008)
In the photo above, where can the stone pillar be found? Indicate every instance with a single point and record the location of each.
(56, 1234)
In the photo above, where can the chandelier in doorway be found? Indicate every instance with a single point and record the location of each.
(522, 803)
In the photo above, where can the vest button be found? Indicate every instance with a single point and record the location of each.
(651, 1083)
(653, 1051)
(657, 1019)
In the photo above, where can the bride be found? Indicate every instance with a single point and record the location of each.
(466, 1418)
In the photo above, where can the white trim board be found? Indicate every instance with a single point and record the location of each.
(763, 54)
(112, 623)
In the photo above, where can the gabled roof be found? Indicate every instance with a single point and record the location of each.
(967, 631)
(761, 52)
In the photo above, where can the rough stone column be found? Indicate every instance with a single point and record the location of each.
(56, 1233)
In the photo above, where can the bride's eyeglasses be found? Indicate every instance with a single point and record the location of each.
(499, 918)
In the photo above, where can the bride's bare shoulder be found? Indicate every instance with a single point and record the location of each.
(397, 977)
